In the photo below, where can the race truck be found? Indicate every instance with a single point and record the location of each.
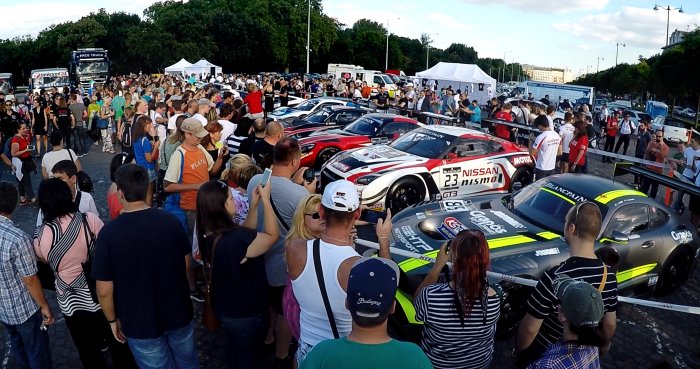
(524, 231)
(89, 66)
(49, 77)
(6, 83)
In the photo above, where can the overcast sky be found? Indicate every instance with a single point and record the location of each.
(553, 33)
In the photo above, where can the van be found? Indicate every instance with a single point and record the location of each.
(375, 79)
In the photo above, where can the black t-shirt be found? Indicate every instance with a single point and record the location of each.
(238, 290)
(63, 118)
(262, 153)
(9, 124)
(269, 101)
(246, 146)
(284, 100)
(590, 132)
(382, 98)
(143, 254)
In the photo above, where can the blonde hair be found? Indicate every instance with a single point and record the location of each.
(236, 163)
(251, 87)
(299, 230)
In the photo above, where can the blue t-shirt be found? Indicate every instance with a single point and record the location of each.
(143, 146)
(476, 115)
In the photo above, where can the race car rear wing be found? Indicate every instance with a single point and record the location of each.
(678, 182)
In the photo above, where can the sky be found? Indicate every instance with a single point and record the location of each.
(580, 35)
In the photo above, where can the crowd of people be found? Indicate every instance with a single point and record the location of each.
(209, 206)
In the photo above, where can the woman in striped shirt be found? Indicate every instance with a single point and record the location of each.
(460, 316)
(64, 241)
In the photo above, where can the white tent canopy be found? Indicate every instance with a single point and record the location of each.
(178, 67)
(464, 77)
(203, 66)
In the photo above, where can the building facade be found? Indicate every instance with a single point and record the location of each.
(546, 74)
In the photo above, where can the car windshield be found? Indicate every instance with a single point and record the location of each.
(387, 80)
(364, 126)
(307, 105)
(546, 204)
(394, 78)
(425, 143)
(92, 67)
(674, 123)
(319, 116)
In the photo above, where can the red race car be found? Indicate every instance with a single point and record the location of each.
(375, 128)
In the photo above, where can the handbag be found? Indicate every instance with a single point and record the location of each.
(172, 202)
(46, 276)
(322, 287)
(87, 264)
(291, 310)
(102, 123)
(209, 319)
(84, 179)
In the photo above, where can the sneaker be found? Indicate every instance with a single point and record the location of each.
(112, 151)
(197, 296)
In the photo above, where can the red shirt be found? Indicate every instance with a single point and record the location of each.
(575, 147)
(23, 143)
(503, 131)
(611, 128)
(254, 101)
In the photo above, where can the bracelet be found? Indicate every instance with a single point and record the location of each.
(112, 321)
(382, 237)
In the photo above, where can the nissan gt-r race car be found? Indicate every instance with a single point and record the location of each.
(431, 162)
(657, 248)
(375, 128)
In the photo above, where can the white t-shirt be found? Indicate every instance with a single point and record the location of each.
(86, 205)
(161, 130)
(201, 118)
(171, 122)
(567, 134)
(547, 145)
(689, 153)
(52, 157)
(626, 127)
(551, 122)
(227, 131)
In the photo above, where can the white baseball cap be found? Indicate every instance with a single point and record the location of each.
(341, 195)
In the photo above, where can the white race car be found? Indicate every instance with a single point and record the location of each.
(305, 108)
(431, 162)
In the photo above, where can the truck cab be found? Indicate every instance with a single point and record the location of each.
(6, 83)
(89, 66)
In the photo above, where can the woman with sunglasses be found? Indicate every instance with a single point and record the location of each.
(235, 260)
(459, 316)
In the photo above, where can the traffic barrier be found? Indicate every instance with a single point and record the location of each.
(533, 283)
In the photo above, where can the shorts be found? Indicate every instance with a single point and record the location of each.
(152, 175)
(274, 294)
(694, 205)
(564, 157)
(302, 351)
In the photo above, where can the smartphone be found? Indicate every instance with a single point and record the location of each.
(30, 147)
(372, 216)
(266, 177)
(309, 175)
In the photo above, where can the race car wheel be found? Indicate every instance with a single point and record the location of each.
(324, 156)
(675, 271)
(513, 308)
(405, 193)
(521, 175)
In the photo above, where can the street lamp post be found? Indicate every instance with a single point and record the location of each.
(617, 50)
(308, 37)
(597, 68)
(668, 9)
(504, 64)
(427, 49)
(386, 64)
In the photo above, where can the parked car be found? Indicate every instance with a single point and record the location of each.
(637, 116)
(674, 129)
(305, 108)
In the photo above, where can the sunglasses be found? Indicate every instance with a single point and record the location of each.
(315, 216)
(578, 207)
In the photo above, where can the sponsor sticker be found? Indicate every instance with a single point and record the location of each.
(547, 252)
(453, 206)
(409, 238)
(450, 227)
(508, 219)
(340, 166)
(653, 280)
(565, 192)
(522, 160)
(633, 236)
(420, 215)
(683, 236)
(451, 170)
(480, 219)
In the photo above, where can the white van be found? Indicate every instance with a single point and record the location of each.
(375, 79)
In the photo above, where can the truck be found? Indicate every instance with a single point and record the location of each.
(656, 109)
(89, 66)
(558, 92)
(48, 77)
(374, 78)
(6, 83)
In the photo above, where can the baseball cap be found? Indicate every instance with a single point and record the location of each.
(582, 303)
(205, 102)
(340, 195)
(193, 126)
(371, 287)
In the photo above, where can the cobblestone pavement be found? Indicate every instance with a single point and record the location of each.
(645, 336)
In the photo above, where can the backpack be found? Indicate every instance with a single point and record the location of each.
(126, 133)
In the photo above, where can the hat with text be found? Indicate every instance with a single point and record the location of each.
(371, 287)
(341, 195)
(581, 303)
(204, 101)
(193, 126)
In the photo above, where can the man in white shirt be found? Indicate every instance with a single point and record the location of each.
(411, 96)
(159, 121)
(691, 164)
(627, 126)
(545, 148)
(177, 106)
(566, 132)
(204, 106)
(66, 171)
(225, 115)
(550, 116)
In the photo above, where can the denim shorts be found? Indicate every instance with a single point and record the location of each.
(152, 175)
(303, 350)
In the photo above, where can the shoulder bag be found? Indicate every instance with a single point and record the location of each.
(322, 287)
(84, 179)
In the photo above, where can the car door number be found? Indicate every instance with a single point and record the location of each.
(451, 180)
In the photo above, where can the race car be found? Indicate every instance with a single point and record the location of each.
(430, 162)
(329, 117)
(375, 128)
(305, 108)
(524, 231)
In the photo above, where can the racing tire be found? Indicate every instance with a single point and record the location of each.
(513, 308)
(404, 193)
(522, 175)
(675, 271)
(324, 156)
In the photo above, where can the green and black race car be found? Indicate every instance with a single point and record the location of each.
(524, 230)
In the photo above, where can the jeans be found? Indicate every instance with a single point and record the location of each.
(67, 133)
(89, 331)
(79, 144)
(29, 344)
(624, 139)
(173, 350)
(245, 340)
(24, 187)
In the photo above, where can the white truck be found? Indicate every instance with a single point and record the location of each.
(358, 74)
(558, 92)
(49, 77)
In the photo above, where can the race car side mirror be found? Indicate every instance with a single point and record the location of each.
(517, 186)
(619, 237)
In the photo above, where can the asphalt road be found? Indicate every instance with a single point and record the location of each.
(645, 337)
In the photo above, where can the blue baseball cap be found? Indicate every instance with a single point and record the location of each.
(371, 287)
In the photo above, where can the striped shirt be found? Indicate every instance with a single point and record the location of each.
(543, 303)
(233, 143)
(17, 260)
(445, 341)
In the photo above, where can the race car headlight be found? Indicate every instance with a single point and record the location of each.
(305, 149)
(365, 180)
